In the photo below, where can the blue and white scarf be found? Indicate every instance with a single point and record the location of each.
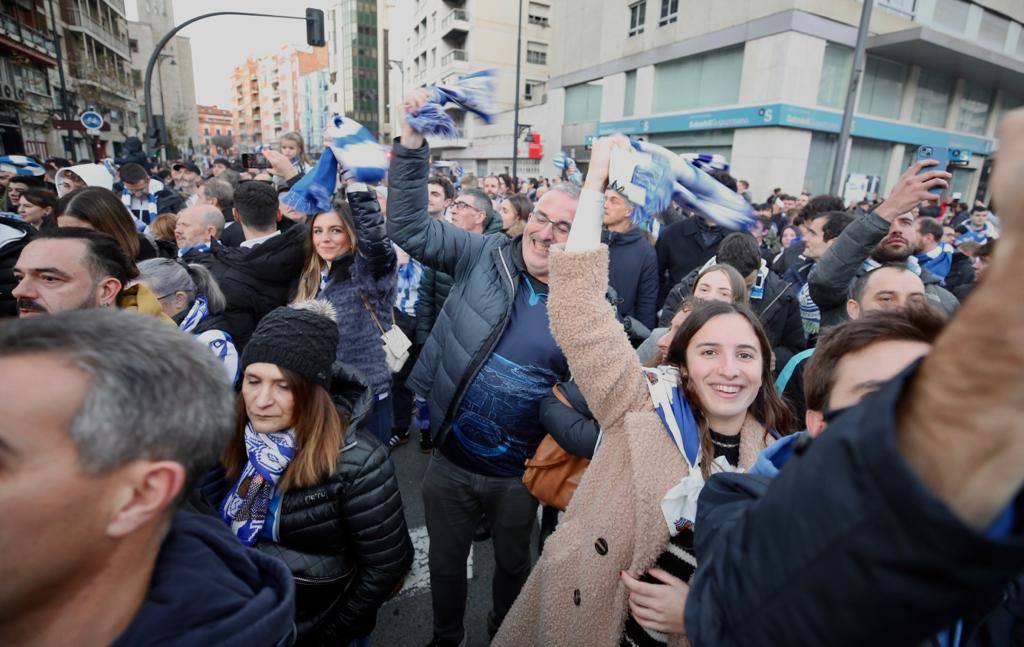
(707, 161)
(690, 187)
(870, 265)
(204, 247)
(355, 149)
(407, 287)
(219, 342)
(473, 93)
(151, 210)
(563, 162)
(21, 165)
(246, 505)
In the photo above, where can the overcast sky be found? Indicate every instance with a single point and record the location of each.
(222, 42)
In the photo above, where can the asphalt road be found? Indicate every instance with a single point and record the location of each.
(407, 619)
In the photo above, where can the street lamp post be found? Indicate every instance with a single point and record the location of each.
(163, 107)
(515, 125)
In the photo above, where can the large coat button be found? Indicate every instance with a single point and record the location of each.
(601, 546)
(576, 597)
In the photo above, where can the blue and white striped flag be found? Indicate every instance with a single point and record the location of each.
(21, 165)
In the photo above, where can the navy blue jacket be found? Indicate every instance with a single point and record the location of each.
(209, 589)
(633, 272)
(846, 546)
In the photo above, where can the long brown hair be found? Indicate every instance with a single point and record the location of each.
(319, 432)
(309, 280)
(105, 213)
(736, 282)
(768, 407)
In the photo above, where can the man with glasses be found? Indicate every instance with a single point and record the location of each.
(472, 211)
(489, 360)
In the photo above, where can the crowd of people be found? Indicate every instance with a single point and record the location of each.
(655, 393)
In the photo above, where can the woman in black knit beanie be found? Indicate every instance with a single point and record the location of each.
(302, 481)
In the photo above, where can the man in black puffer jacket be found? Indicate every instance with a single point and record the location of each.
(259, 275)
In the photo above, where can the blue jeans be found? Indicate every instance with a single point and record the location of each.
(378, 421)
(360, 642)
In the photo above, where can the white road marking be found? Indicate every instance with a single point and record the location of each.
(417, 582)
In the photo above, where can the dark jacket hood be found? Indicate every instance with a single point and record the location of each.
(350, 391)
(132, 145)
(209, 589)
(278, 260)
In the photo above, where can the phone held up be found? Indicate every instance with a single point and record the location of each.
(255, 160)
(945, 157)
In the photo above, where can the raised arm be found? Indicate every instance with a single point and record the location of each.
(376, 258)
(603, 362)
(434, 243)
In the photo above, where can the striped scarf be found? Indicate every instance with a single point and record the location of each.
(473, 93)
(246, 505)
(147, 217)
(21, 165)
(407, 288)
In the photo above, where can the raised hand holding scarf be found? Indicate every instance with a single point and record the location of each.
(246, 505)
(472, 92)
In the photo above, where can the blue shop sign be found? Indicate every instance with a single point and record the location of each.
(791, 116)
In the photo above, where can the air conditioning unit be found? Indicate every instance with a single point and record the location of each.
(21, 94)
(7, 91)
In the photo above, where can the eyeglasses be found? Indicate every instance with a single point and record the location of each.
(463, 205)
(561, 227)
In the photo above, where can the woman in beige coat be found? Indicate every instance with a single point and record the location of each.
(617, 519)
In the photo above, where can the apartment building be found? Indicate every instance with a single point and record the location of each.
(214, 123)
(357, 44)
(447, 38)
(266, 94)
(172, 87)
(97, 63)
(764, 83)
(27, 57)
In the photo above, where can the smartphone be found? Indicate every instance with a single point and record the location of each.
(946, 157)
(255, 160)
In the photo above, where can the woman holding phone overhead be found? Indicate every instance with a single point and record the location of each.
(615, 571)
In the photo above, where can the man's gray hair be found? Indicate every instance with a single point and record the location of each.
(154, 393)
(568, 188)
(222, 191)
(212, 217)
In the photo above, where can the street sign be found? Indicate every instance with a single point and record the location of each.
(91, 119)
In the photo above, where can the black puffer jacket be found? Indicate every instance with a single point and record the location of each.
(14, 235)
(345, 540)
(254, 280)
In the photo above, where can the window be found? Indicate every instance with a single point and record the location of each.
(538, 14)
(629, 100)
(835, 75)
(931, 103)
(133, 45)
(881, 89)
(636, 18)
(711, 79)
(821, 158)
(870, 157)
(583, 102)
(536, 53)
(974, 106)
(715, 142)
(206, 131)
(951, 15)
(992, 31)
(534, 90)
(218, 132)
(669, 12)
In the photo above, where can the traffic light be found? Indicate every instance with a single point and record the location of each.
(315, 28)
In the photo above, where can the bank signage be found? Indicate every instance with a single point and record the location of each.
(792, 116)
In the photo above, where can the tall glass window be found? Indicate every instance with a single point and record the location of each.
(629, 101)
(637, 11)
(583, 102)
(951, 15)
(974, 107)
(882, 88)
(870, 157)
(835, 75)
(821, 159)
(711, 79)
(992, 31)
(931, 103)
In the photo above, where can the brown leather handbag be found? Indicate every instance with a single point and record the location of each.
(553, 474)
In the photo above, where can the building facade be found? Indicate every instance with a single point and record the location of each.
(266, 94)
(97, 64)
(214, 124)
(764, 83)
(28, 59)
(358, 55)
(314, 108)
(173, 86)
(444, 39)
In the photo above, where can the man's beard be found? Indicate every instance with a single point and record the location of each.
(90, 302)
(30, 305)
(884, 254)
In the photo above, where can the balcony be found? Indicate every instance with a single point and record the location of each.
(107, 35)
(34, 41)
(456, 58)
(102, 78)
(455, 25)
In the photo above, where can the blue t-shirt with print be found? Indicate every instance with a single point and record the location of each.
(497, 426)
